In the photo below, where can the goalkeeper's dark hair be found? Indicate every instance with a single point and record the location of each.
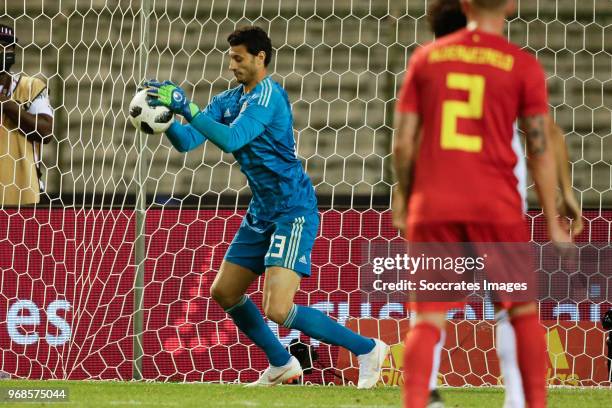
(445, 17)
(254, 39)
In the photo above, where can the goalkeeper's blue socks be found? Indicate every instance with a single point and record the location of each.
(318, 325)
(249, 320)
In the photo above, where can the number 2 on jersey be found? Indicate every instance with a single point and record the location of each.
(452, 110)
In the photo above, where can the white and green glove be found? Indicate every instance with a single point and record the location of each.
(172, 96)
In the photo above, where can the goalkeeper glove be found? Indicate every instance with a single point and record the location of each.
(172, 96)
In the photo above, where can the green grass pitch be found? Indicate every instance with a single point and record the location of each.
(101, 394)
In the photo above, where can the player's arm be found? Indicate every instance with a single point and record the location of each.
(405, 147)
(568, 206)
(247, 126)
(534, 122)
(406, 139)
(184, 137)
(37, 128)
(542, 164)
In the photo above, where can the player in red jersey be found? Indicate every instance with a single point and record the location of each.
(454, 161)
(446, 17)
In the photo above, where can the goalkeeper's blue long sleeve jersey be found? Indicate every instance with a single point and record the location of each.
(257, 128)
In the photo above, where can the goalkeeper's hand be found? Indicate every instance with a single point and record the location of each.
(172, 96)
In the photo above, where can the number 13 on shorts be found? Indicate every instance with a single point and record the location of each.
(291, 244)
(277, 246)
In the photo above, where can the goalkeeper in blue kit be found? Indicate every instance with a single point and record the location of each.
(253, 121)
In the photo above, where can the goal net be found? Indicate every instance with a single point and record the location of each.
(108, 276)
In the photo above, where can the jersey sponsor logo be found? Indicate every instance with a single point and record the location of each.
(227, 113)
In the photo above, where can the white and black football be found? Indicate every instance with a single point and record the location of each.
(147, 118)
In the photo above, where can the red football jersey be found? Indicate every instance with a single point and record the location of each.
(469, 88)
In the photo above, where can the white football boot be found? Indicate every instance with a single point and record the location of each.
(370, 365)
(279, 375)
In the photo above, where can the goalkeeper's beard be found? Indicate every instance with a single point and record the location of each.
(241, 78)
(245, 76)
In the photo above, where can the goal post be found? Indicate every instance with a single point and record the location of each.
(140, 249)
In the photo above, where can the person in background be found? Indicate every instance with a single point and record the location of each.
(26, 119)
(436, 165)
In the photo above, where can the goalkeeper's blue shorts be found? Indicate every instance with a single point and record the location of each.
(287, 243)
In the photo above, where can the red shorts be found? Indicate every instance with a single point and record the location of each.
(463, 232)
(467, 232)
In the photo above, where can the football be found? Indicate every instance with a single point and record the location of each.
(147, 118)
